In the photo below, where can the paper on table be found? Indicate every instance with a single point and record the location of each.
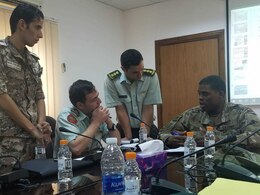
(180, 149)
(125, 146)
(231, 187)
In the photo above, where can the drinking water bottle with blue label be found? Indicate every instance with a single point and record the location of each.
(112, 167)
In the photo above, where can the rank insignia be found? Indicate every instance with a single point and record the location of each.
(149, 72)
(114, 74)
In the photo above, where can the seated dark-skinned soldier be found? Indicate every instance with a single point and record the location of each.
(226, 118)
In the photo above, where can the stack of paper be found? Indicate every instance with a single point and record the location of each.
(231, 187)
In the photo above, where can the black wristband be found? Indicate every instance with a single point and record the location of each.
(112, 128)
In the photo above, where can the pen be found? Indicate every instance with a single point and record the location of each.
(176, 133)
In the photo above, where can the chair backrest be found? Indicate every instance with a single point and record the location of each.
(49, 147)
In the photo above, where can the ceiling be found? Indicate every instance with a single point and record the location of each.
(129, 4)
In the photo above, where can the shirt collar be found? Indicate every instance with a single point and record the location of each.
(13, 49)
(224, 116)
(124, 79)
(80, 115)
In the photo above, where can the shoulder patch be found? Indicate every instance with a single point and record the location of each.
(72, 119)
(114, 74)
(149, 72)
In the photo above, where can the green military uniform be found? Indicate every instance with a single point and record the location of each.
(235, 119)
(120, 91)
(74, 120)
(20, 78)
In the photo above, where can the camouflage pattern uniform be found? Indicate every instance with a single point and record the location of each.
(235, 119)
(20, 79)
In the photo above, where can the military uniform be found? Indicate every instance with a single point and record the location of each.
(20, 78)
(235, 119)
(120, 91)
(74, 120)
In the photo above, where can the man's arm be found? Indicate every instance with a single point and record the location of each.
(147, 116)
(113, 133)
(174, 133)
(41, 111)
(42, 124)
(9, 106)
(249, 123)
(124, 121)
(81, 144)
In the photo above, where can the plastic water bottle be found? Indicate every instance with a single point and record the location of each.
(142, 133)
(209, 140)
(190, 162)
(64, 162)
(132, 175)
(112, 168)
(40, 152)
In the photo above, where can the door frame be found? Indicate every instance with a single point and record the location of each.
(218, 34)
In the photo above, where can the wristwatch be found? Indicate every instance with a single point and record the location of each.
(113, 127)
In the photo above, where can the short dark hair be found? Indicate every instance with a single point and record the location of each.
(215, 83)
(130, 57)
(24, 11)
(79, 89)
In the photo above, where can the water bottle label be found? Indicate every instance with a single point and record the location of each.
(39, 150)
(132, 187)
(113, 183)
(64, 164)
(211, 142)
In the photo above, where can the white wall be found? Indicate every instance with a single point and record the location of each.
(170, 19)
(91, 38)
(93, 35)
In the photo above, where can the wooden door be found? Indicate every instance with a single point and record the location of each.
(181, 63)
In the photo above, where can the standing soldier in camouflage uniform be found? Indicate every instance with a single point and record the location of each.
(22, 107)
(132, 90)
(226, 118)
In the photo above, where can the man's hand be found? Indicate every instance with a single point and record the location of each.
(100, 115)
(176, 140)
(37, 133)
(45, 129)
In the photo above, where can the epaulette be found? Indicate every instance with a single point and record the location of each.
(114, 74)
(149, 72)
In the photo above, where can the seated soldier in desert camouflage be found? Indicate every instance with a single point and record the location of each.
(226, 118)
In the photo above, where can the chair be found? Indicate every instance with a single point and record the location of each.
(49, 147)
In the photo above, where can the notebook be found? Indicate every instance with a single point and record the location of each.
(45, 168)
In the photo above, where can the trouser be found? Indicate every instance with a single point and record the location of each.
(21, 149)
(135, 131)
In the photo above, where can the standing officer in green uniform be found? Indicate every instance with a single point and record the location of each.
(86, 117)
(22, 107)
(226, 118)
(132, 89)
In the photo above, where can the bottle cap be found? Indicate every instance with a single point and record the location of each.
(111, 140)
(64, 142)
(209, 128)
(142, 125)
(190, 134)
(130, 155)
